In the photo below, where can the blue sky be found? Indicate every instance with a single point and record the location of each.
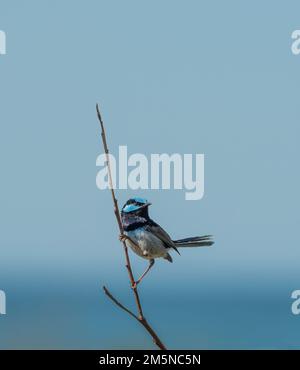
(212, 77)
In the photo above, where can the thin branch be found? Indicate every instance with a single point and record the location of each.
(107, 292)
(117, 214)
(142, 321)
(141, 318)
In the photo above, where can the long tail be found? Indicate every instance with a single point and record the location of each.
(197, 241)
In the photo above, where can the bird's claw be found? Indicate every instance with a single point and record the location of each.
(123, 237)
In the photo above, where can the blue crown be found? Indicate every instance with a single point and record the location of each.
(134, 207)
(140, 200)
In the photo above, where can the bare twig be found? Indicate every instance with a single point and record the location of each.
(140, 317)
(107, 292)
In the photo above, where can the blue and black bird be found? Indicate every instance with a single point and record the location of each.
(147, 239)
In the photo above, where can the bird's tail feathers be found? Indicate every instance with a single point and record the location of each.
(197, 241)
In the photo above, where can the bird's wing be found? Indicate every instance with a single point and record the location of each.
(160, 233)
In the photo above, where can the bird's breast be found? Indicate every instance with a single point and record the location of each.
(147, 244)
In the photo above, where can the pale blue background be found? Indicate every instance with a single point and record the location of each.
(209, 77)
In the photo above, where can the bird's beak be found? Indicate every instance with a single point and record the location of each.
(146, 205)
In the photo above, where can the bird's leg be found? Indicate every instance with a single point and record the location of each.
(151, 263)
(124, 238)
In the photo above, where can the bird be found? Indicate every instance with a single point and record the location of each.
(148, 239)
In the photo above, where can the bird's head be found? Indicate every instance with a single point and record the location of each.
(136, 206)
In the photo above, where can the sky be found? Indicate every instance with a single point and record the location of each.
(210, 77)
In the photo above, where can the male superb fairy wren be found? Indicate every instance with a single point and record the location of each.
(147, 239)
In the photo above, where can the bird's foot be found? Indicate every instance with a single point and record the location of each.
(123, 237)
